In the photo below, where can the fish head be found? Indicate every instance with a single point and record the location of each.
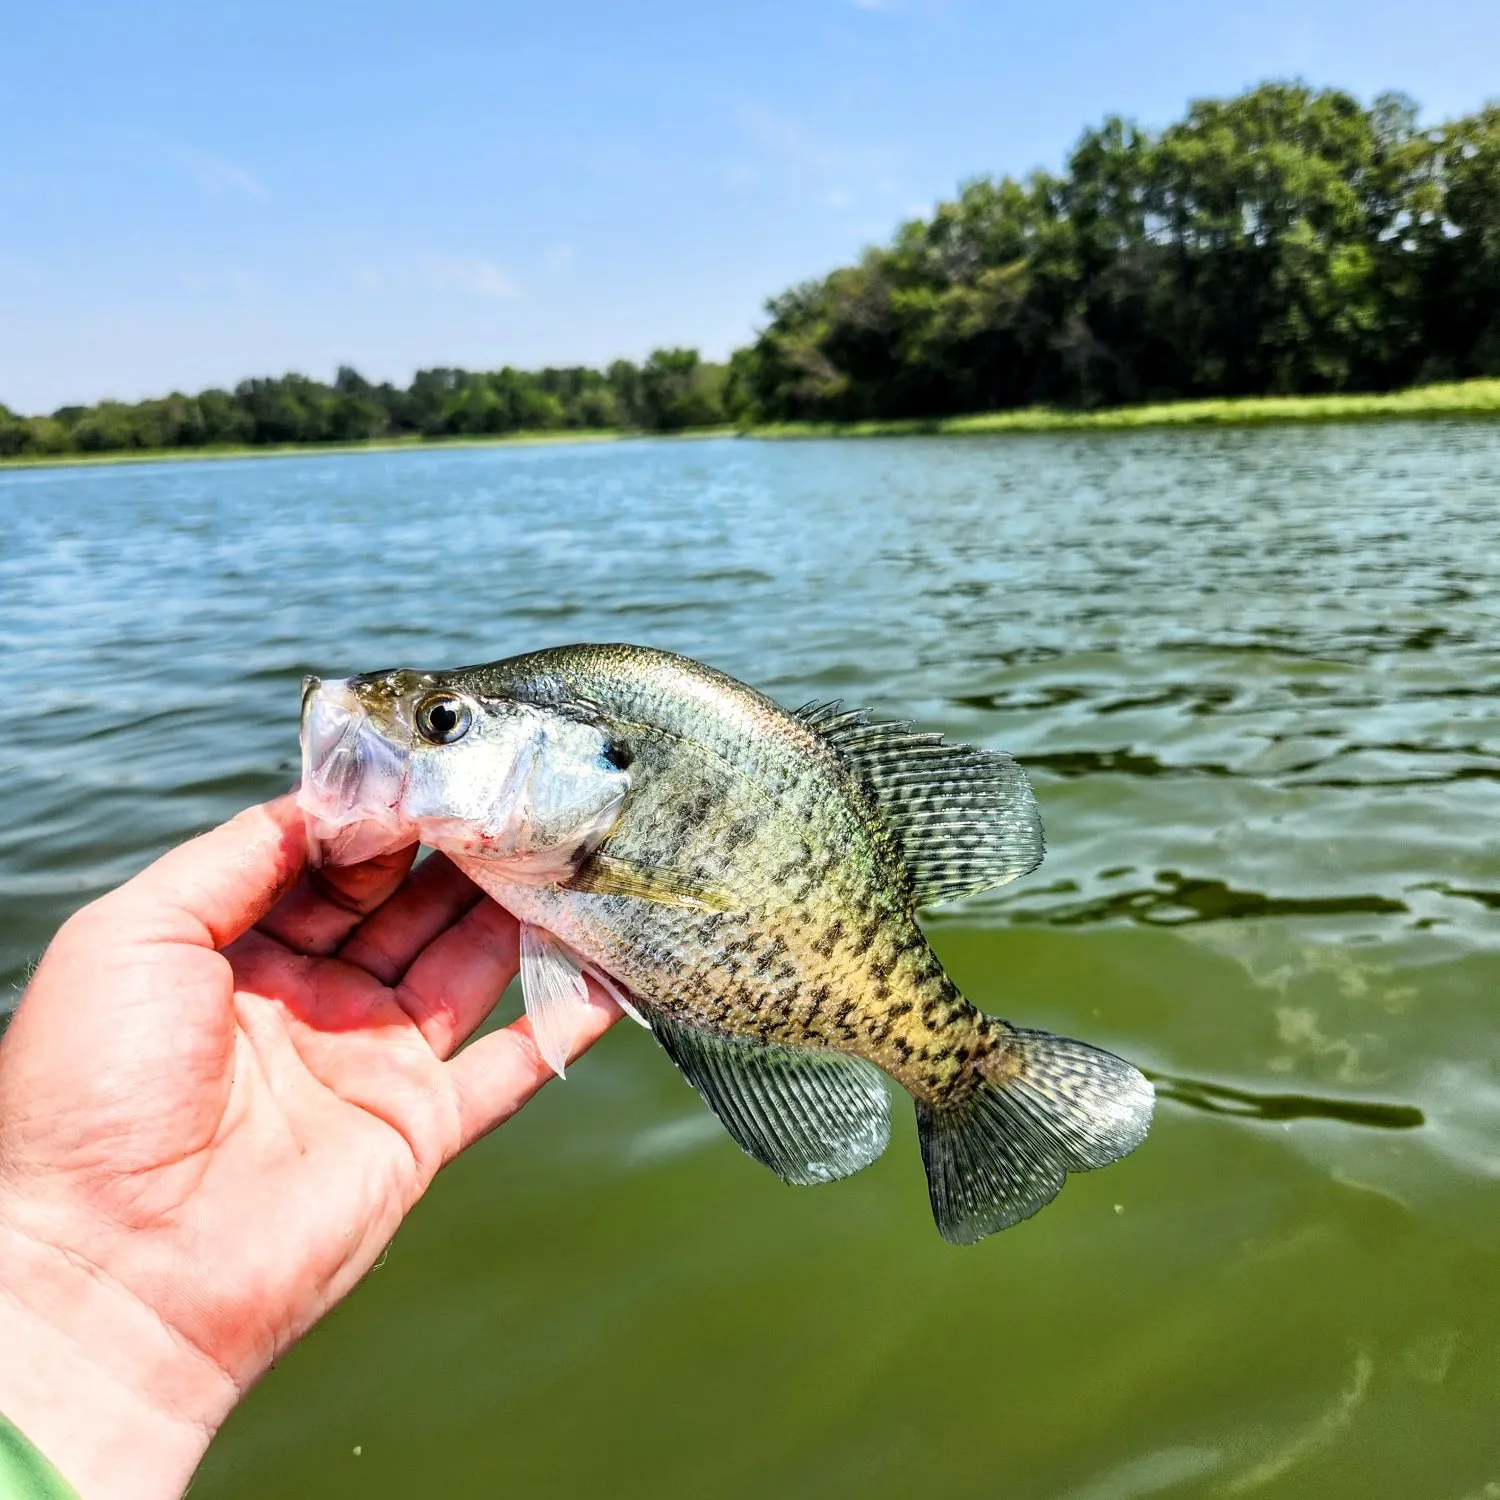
(401, 757)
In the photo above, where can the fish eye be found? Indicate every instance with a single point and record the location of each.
(443, 718)
(617, 754)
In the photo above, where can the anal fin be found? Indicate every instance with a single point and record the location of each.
(809, 1114)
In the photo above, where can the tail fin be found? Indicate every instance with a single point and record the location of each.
(1041, 1106)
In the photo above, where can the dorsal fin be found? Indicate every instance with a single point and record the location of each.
(965, 818)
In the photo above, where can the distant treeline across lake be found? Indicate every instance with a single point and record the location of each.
(1285, 242)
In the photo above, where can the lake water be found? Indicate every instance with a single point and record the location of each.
(1256, 678)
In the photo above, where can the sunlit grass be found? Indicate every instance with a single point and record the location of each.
(1469, 398)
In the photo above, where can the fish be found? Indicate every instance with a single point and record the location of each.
(746, 881)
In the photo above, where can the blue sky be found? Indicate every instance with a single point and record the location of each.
(191, 193)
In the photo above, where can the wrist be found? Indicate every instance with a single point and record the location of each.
(116, 1401)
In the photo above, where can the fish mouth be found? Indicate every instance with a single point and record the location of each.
(353, 778)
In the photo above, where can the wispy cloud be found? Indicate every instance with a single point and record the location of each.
(217, 177)
(842, 175)
(475, 278)
(791, 140)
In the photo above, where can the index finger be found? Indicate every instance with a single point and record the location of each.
(326, 905)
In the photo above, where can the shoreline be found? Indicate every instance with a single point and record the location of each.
(303, 450)
(1469, 398)
(1460, 399)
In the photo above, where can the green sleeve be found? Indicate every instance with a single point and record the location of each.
(24, 1473)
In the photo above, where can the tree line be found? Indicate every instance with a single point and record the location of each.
(673, 389)
(1285, 241)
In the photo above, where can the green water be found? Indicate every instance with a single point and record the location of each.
(1255, 677)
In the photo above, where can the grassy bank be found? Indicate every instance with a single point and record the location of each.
(1469, 398)
(301, 450)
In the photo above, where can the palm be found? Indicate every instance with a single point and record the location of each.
(250, 1125)
(314, 1111)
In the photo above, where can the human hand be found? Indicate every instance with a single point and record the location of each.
(225, 1086)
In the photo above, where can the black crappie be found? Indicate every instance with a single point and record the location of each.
(751, 877)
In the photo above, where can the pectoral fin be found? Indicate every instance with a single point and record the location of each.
(609, 875)
(808, 1114)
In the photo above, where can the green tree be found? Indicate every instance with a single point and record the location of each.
(45, 437)
(1466, 265)
(12, 433)
(226, 421)
(624, 380)
(105, 428)
(677, 390)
